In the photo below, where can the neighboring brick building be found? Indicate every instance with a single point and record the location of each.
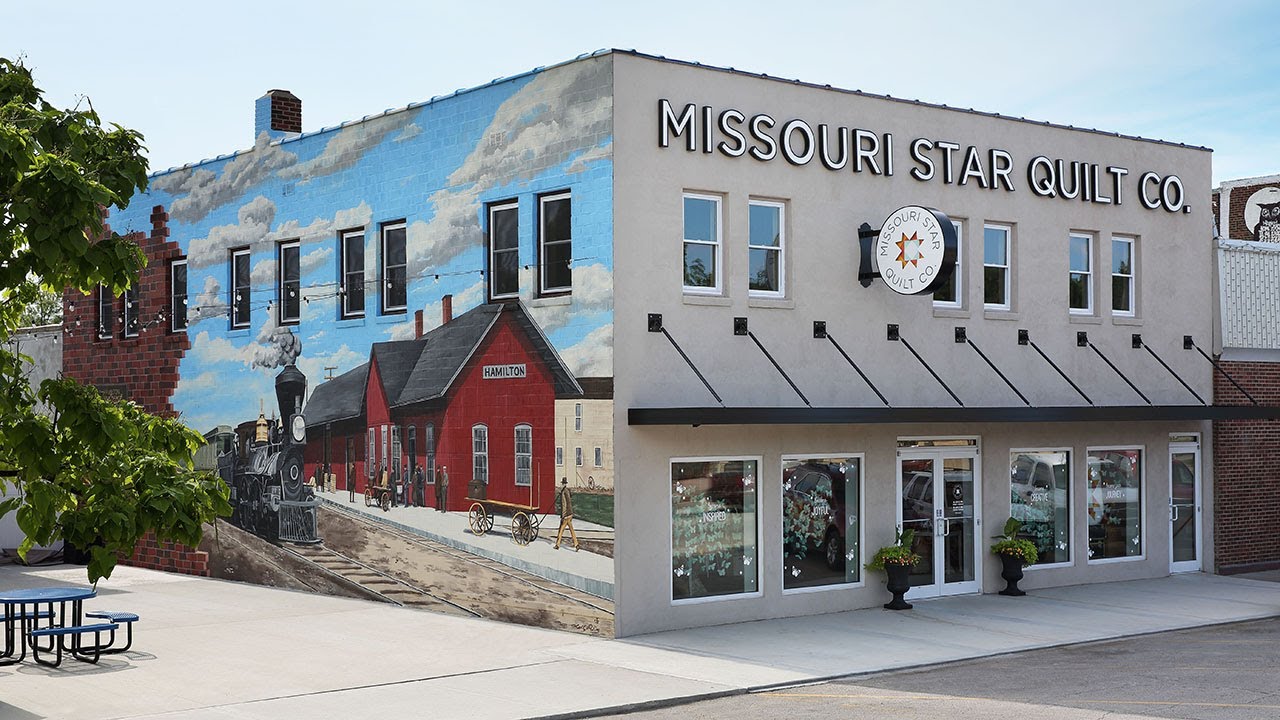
(1247, 500)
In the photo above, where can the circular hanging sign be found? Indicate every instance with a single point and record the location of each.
(916, 250)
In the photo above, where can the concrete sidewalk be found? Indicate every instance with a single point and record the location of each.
(214, 649)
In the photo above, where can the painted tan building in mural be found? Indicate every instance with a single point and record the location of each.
(584, 436)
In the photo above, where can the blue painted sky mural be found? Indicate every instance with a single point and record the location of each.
(434, 165)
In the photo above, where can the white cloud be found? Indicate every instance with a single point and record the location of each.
(254, 225)
(316, 260)
(528, 136)
(209, 303)
(341, 360)
(599, 152)
(592, 293)
(197, 385)
(403, 331)
(409, 132)
(199, 191)
(593, 355)
(346, 147)
(462, 302)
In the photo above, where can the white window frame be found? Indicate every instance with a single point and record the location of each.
(718, 256)
(1142, 501)
(384, 284)
(505, 206)
(599, 457)
(370, 461)
(577, 417)
(577, 457)
(527, 471)
(429, 443)
(543, 288)
(281, 282)
(130, 323)
(1088, 273)
(1132, 276)
(236, 289)
(760, 551)
(345, 274)
(1071, 510)
(176, 300)
(781, 249)
(106, 313)
(480, 453)
(559, 456)
(1007, 267)
(957, 275)
(862, 532)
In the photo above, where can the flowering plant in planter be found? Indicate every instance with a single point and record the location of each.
(899, 553)
(1013, 546)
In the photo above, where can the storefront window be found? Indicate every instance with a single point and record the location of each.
(1115, 504)
(820, 498)
(713, 528)
(1039, 499)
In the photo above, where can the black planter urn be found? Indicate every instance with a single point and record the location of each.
(1011, 573)
(899, 583)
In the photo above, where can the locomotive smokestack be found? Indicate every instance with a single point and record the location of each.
(291, 387)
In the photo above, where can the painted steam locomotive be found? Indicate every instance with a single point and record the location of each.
(261, 461)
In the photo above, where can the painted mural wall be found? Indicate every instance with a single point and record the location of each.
(383, 307)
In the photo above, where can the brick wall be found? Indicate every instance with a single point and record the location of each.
(143, 368)
(169, 557)
(1247, 476)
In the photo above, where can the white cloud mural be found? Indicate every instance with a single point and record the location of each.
(593, 356)
(200, 191)
(346, 147)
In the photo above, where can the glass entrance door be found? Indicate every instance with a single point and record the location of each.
(1184, 507)
(938, 499)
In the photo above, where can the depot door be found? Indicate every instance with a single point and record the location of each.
(1184, 507)
(939, 499)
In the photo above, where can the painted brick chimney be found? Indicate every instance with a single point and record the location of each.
(446, 309)
(278, 113)
(417, 325)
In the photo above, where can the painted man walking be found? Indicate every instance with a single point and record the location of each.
(565, 501)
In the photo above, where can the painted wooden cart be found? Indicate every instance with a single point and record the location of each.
(525, 520)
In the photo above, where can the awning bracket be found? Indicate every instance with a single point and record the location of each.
(1138, 343)
(1188, 344)
(963, 337)
(740, 328)
(895, 336)
(820, 332)
(655, 325)
(1024, 338)
(1082, 340)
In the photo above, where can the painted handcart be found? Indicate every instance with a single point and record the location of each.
(525, 520)
(377, 495)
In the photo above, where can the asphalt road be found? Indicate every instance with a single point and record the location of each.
(1226, 672)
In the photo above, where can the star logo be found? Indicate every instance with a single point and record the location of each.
(909, 250)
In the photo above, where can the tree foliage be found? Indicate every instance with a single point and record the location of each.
(96, 472)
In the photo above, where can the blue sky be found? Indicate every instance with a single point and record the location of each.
(186, 75)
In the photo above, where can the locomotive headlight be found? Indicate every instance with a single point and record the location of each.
(299, 429)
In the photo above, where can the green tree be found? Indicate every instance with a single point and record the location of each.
(96, 472)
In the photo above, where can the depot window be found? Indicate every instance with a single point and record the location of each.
(1080, 279)
(524, 455)
(178, 295)
(766, 247)
(289, 287)
(1114, 487)
(820, 529)
(1040, 498)
(480, 453)
(996, 281)
(702, 244)
(1122, 276)
(504, 250)
(351, 273)
(429, 438)
(393, 272)
(555, 244)
(714, 527)
(951, 293)
(240, 288)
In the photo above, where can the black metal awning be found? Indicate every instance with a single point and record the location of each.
(887, 415)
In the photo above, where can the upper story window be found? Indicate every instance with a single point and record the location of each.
(559, 456)
(352, 273)
(996, 279)
(555, 243)
(524, 455)
(393, 271)
(577, 417)
(504, 250)
(577, 457)
(178, 295)
(951, 292)
(702, 244)
(599, 457)
(480, 453)
(766, 244)
(290, 283)
(130, 318)
(240, 288)
(1122, 276)
(1080, 291)
(106, 313)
